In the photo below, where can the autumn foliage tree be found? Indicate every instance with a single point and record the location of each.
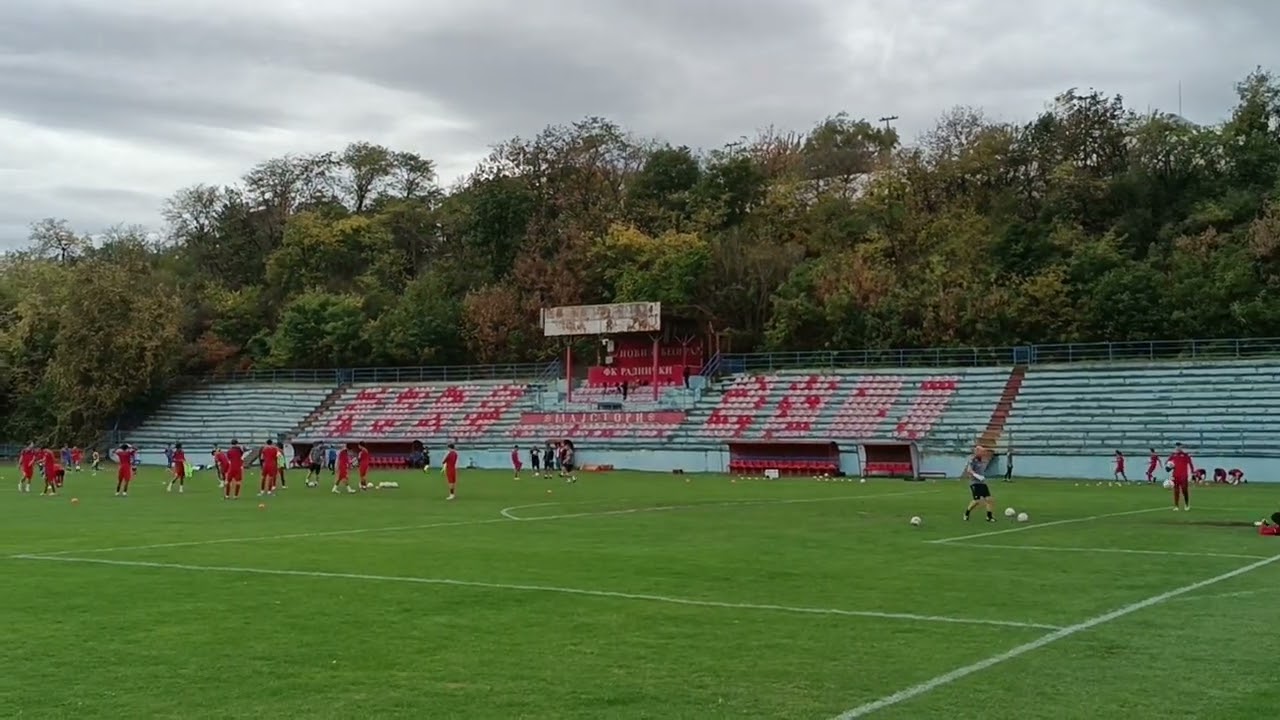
(1088, 222)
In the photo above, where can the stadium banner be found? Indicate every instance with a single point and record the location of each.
(619, 419)
(635, 352)
(609, 376)
(638, 317)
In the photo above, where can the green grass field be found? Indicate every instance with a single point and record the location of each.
(636, 596)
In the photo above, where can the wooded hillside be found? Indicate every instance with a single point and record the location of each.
(1090, 222)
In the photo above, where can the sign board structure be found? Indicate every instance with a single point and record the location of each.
(616, 319)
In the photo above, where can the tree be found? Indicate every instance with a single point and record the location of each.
(319, 329)
(54, 239)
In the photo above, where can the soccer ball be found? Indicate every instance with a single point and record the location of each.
(1023, 517)
(312, 483)
(1010, 512)
(1169, 466)
(916, 521)
(1168, 484)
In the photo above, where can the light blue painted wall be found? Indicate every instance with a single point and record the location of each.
(1078, 467)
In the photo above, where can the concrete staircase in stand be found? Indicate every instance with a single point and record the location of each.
(995, 427)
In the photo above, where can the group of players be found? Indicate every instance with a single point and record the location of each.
(561, 456)
(1182, 471)
(229, 464)
(1223, 476)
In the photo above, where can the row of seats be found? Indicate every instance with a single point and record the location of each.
(785, 466)
(391, 412)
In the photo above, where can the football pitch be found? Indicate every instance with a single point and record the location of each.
(637, 596)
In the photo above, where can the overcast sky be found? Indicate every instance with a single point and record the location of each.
(108, 106)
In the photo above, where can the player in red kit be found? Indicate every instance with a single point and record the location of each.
(1152, 464)
(76, 456)
(516, 463)
(364, 460)
(234, 472)
(450, 470)
(342, 466)
(27, 466)
(1183, 466)
(49, 459)
(220, 464)
(270, 455)
(179, 468)
(124, 471)
(1119, 475)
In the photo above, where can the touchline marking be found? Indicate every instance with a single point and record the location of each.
(670, 600)
(507, 518)
(1121, 551)
(1061, 634)
(1024, 528)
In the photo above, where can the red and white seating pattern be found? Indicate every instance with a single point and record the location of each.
(867, 407)
(798, 411)
(739, 408)
(929, 405)
(390, 412)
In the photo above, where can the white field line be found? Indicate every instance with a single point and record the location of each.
(509, 513)
(1119, 551)
(544, 589)
(507, 518)
(1221, 596)
(1066, 632)
(1024, 528)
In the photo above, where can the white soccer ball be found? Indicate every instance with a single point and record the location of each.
(916, 521)
(1168, 484)
(1010, 512)
(862, 480)
(1023, 517)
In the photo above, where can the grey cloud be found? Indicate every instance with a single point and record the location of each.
(700, 72)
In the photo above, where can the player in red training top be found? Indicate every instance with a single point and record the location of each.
(270, 455)
(1183, 466)
(1119, 475)
(364, 459)
(1152, 464)
(342, 466)
(234, 472)
(179, 468)
(450, 470)
(76, 456)
(516, 463)
(27, 466)
(124, 471)
(49, 459)
(220, 464)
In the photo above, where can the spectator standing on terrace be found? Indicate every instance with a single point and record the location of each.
(685, 373)
(1119, 474)
(1152, 463)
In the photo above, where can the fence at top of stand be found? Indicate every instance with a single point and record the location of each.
(439, 373)
(1137, 351)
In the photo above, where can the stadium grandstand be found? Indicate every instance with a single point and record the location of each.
(1063, 410)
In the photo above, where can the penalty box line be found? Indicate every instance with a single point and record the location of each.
(665, 599)
(962, 672)
(507, 517)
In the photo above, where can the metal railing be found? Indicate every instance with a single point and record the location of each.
(1228, 349)
(440, 373)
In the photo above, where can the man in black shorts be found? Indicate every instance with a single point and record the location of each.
(535, 461)
(568, 461)
(315, 463)
(978, 484)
